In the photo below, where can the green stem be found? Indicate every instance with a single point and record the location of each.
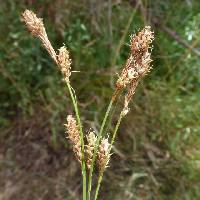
(111, 144)
(116, 129)
(98, 186)
(97, 143)
(83, 168)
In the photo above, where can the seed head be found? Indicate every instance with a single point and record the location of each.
(33, 23)
(141, 43)
(64, 62)
(103, 156)
(74, 136)
(91, 141)
(36, 27)
(129, 96)
(128, 73)
(138, 63)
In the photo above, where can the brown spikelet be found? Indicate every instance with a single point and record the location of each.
(33, 23)
(129, 96)
(140, 43)
(138, 63)
(128, 73)
(74, 136)
(64, 62)
(103, 155)
(36, 27)
(91, 141)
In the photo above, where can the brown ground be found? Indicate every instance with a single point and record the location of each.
(32, 168)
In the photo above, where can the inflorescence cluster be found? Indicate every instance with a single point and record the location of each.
(136, 67)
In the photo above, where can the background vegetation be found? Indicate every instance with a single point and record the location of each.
(157, 155)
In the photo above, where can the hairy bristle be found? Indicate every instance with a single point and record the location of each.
(74, 136)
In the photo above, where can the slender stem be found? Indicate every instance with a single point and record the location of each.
(111, 144)
(98, 141)
(115, 131)
(83, 168)
(98, 186)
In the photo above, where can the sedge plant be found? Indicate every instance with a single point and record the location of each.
(93, 150)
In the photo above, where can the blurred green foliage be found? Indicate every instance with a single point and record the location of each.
(166, 107)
